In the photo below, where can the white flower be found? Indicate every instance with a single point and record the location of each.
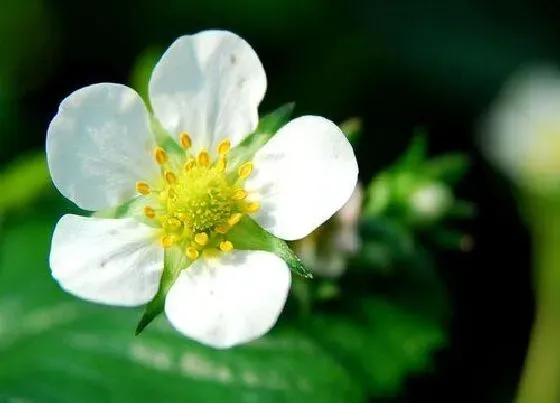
(522, 135)
(102, 153)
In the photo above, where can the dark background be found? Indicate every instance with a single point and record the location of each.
(395, 64)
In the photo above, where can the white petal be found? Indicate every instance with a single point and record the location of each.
(233, 302)
(109, 261)
(99, 145)
(209, 85)
(302, 176)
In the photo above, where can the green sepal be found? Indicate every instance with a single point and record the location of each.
(25, 179)
(248, 235)
(272, 121)
(267, 128)
(173, 262)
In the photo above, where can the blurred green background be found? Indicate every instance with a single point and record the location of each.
(433, 324)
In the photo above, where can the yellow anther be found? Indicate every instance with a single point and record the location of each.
(226, 246)
(204, 158)
(170, 177)
(167, 241)
(160, 155)
(224, 147)
(201, 238)
(222, 228)
(245, 169)
(174, 224)
(239, 194)
(251, 207)
(192, 253)
(210, 253)
(234, 218)
(189, 165)
(185, 140)
(142, 188)
(222, 163)
(149, 212)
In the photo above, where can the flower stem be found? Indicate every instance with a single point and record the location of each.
(540, 381)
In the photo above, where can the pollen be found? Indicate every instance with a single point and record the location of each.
(160, 156)
(192, 253)
(224, 147)
(252, 207)
(170, 177)
(189, 165)
(149, 212)
(185, 140)
(239, 194)
(197, 200)
(245, 170)
(201, 238)
(226, 246)
(204, 158)
(167, 241)
(234, 218)
(142, 188)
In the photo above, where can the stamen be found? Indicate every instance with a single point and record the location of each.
(160, 156)
(174, 224)
(222, 228)
(142, 188)
(226, 246)
(149, 212)
(239, 194)
(234, 218)
(221, 164)
(170, 177)
(224, 147)
(245, 169)
(204, 158)
(185, 140)
(210, 253)
(167, 241)
(192, 253)
(251, 207)
(201, 238)
(189, 165)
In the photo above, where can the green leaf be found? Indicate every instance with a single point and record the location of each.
(449, 168)
(174, 261)
(248, 235)
(267, 128)
(56, 348)
(384, 337)
(25, 179)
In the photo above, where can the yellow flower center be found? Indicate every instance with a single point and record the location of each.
(198, 200)
(543, 157)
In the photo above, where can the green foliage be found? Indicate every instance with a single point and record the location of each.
(417, 193)
(23, 181)
(55, 348)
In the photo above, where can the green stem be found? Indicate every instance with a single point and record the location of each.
(540, 381)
